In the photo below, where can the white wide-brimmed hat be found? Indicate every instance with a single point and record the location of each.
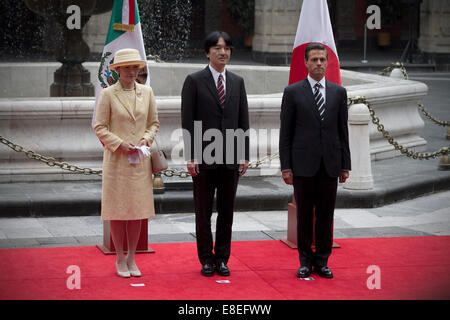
(126, 57)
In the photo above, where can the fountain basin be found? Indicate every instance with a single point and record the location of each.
(61, 127)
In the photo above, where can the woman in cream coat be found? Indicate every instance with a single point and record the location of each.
(126, 117)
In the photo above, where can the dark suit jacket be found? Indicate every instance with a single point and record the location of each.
(305, 139)
(200, 102)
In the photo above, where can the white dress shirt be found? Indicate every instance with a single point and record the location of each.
(215, 75)
(313, 82)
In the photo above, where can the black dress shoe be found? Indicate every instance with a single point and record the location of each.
(304, 272)
(222, 269)
(207, 270)
(324, 272)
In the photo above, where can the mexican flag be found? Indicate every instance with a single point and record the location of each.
(124, 32)
(314, 26)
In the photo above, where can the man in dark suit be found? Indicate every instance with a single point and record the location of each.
(214, 107)
(314, 153)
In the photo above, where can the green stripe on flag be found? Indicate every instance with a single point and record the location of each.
(116, 17)
(136, 14)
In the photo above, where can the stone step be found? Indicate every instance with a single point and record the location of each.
(80, 198)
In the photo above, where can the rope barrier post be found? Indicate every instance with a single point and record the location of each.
(158, 184)
(395, 70)
(444, 162)
(396, 73)
(361, 175)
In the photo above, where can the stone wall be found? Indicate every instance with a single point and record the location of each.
(275, 27)
(434, 38)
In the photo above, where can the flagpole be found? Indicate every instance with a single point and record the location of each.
(365, 44)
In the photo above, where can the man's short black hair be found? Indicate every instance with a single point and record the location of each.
(212, 39)
(314, 46)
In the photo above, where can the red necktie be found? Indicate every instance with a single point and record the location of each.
(221, 91)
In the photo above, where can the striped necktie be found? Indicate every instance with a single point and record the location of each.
(221, 90)
(320, 101)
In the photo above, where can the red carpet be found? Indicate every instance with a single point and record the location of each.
(410, 267)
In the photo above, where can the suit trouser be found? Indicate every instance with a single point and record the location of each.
(317, 192)
(206, 183)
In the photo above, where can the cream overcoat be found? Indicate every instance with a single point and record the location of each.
(127, 189)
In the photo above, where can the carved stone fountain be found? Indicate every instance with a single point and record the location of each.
(71, 79)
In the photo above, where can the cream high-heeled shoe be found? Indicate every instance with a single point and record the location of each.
(134, 273)
(123, 274)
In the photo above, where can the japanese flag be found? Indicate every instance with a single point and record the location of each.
(314, 26)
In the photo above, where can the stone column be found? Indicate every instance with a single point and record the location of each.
(434, 38)
(275, 27)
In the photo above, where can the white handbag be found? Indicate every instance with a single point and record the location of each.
(158, 159)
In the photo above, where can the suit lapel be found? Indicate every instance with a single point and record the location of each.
(309, 95)
(229, 87)
(119, 93)
(210, 84)
(139, 100)
(329, 94)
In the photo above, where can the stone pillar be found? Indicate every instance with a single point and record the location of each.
(361, 174)
(434, 38)
(275, 27)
